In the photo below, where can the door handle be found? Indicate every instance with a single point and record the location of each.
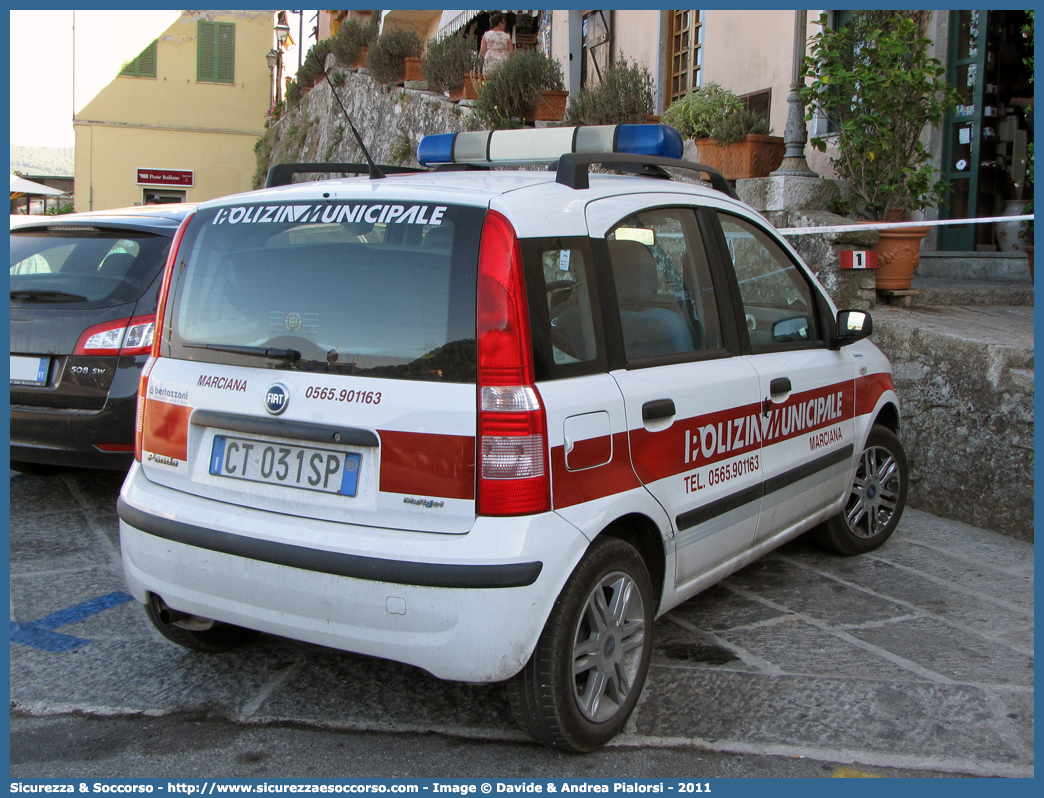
(658, 408)
(776, 387)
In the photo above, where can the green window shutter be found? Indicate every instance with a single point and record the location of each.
(226, 52)
(217, 52)
(144, 66)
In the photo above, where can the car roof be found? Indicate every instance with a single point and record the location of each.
(161, 219)
(475, 187)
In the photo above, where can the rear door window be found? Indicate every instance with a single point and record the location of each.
(380, 290)
(663, 285)
(85, 268)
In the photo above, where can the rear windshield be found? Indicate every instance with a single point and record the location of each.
(84, 268)
(382, 290)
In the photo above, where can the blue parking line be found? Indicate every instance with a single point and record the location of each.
(40, 634)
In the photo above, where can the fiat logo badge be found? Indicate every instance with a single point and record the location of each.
(277, 398)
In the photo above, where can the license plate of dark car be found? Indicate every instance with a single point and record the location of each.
(303, 467)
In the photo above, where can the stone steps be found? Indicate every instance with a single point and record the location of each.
(980, 266)
(951, 292)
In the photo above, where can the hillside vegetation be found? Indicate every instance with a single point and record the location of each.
(42, 160)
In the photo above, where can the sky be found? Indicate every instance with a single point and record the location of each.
(42, 64)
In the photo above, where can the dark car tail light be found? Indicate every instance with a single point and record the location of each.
(123, 337)
(143, 381)
(513, 476)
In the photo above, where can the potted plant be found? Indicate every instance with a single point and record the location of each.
(448, 65)
(526, 87)
(386, 59)
(728, 136)
(352, 41)
(873, 78)
(624, 97)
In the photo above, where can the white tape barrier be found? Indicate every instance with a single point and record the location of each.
(854, 228)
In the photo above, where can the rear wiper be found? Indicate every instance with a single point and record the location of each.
(289, 355)
(49, 296)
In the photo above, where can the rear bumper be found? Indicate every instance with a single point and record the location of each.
(64, 437)
(463, 607)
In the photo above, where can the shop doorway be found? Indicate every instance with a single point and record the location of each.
(986, 139)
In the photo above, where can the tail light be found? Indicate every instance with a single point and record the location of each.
(143, 381)
(513, 477)
(124, 337)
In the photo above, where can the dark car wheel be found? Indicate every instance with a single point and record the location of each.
(217, 638)
(875, 501)
(589, 667)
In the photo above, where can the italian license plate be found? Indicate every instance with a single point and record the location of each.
(301, 467)
(29, 370)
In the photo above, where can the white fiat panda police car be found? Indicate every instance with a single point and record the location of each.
(492, 423)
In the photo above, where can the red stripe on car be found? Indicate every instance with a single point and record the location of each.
(428, 465)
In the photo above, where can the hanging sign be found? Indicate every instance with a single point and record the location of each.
(165, 177)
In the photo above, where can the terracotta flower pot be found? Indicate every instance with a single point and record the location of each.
(753, 156)
(551, 106)
(360, 60)
(468, 91)
(652, 119)
(898, 253)
(413, 69)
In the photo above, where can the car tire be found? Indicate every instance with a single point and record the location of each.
(875, 501)
(603, 620)
(35, 469)
(218, 638)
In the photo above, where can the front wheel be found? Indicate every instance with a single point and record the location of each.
(584, 678)
(875, 500)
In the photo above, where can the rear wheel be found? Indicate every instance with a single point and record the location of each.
(589, 667)
(198, 634)
(875, 501)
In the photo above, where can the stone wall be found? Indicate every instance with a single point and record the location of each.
(967, 410)
(390, 119)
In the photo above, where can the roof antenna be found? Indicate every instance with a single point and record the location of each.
(375, 171)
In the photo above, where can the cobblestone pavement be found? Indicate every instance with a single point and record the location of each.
(918, 656)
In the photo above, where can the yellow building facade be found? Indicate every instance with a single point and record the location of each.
(179, 123)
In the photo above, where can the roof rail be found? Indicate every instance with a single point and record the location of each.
(282, 174)
(572, 168)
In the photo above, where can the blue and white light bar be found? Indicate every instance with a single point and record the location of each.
(546, 145)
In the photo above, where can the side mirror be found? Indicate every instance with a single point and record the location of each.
(853, 325)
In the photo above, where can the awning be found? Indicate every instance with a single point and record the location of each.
(19, 185)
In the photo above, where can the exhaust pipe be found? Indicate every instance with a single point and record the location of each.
(172, 617)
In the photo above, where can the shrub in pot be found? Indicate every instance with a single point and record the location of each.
(728, 136)
(873, 78)
(447, 61)
(624, 97)
(386, 59)
(312, 67)
(352, 39)
(510, 93)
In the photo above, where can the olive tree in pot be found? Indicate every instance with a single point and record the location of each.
(449, 64)
(352, 41)
(386, 59)
(873, 78)
(728, 136)
(625, 96)
(526, 87)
